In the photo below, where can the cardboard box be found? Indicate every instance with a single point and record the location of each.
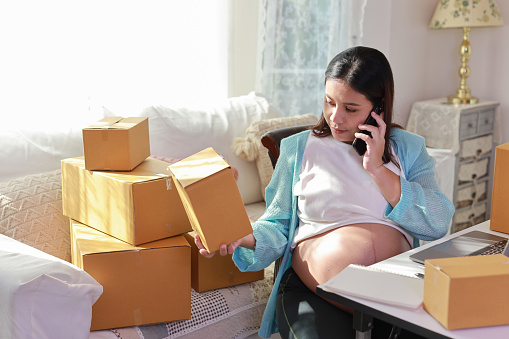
(137, 206)
(499, 218)
(467, 292)
(216, 272)
(141, 285)
(211, 198)
(116, 143)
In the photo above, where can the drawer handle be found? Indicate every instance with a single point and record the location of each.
(474, 176)
(487, 121)
(470, 125)
(478, 152)
(473, 195)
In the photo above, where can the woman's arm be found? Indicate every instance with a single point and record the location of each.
(272, 230)
(386, 180)
(423, 209)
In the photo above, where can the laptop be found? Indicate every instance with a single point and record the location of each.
(468, 244)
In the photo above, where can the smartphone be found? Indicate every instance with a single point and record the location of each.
(360, 145)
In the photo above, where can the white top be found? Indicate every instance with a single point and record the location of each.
(334, 190)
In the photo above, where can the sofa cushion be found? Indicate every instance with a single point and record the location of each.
(250, 146)
(27, 150)
(179, 132)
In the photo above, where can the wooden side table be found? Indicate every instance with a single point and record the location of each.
(468, 130)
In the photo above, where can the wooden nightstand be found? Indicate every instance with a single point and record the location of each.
(468, 130)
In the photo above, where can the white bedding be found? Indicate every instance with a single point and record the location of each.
(43, 296)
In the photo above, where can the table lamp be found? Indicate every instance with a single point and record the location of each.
(465, 14)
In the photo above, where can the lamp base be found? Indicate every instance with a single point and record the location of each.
(454, 99)
(463, 93)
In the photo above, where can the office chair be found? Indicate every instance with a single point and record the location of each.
(272, 140)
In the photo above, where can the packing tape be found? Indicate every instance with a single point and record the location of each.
(104, 134)
(168, 184)
(231, 277)
(168, 228)
(137, 317)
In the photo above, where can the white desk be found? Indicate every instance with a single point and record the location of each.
(418, 321)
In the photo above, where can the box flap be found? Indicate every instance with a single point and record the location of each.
(127, 123)
(104, 123)
(474, 266)
(116, 123)
(149, 169)
(91, 241)
(198, 166)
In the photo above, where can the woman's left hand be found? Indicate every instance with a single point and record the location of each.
(375, 144)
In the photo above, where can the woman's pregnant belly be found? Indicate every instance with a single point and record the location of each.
(319, 258)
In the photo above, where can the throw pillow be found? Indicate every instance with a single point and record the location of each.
(250, 147)
(31, 212)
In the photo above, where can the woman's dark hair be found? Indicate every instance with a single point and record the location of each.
(367, 71)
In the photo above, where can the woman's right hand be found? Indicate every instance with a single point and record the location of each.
(248, 241)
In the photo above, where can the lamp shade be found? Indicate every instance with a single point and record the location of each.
(466, 13)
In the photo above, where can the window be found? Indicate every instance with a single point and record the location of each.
(298, 38)
(63, 61)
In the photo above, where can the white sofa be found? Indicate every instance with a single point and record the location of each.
(31, 214)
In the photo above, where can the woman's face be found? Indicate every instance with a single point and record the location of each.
(344, 109)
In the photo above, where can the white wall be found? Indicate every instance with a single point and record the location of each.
(425, 62)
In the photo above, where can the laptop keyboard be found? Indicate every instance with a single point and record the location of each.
(496, 248)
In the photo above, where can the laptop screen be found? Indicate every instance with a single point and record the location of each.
(462, 246)
(471, 243)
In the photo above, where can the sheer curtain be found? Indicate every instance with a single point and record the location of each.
(297, 39)
(62, 61)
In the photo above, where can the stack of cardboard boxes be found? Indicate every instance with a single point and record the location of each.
(132, 221)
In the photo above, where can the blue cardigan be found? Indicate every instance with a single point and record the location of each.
(423, 210)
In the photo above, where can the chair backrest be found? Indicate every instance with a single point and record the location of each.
(271, 140)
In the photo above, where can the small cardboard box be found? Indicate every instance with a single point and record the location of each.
(499, 219)
(467, 292)
(211, 198)
(216, 272)
(116, 143)
(141, 285)
(137, 206)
